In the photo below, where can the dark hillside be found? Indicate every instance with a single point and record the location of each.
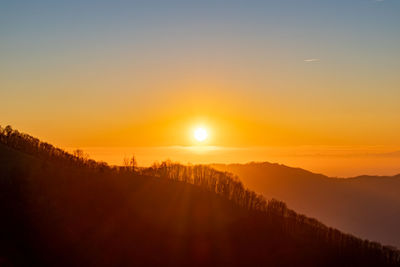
(63, 210)
(366, 206)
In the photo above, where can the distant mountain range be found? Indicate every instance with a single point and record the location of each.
(367, 206)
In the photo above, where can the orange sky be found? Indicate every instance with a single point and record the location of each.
(259, 77)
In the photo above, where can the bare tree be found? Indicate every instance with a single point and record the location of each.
(130, 163)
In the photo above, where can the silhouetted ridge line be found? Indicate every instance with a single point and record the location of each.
(366, 206)
(222, 183)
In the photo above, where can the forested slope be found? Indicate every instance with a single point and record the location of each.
(60, 209)
(366, 206)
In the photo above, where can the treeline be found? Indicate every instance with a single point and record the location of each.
(47, 152)
(229, 186)
(222, 183)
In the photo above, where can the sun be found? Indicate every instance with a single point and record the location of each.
(200, 134)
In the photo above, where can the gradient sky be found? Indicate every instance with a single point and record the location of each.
(255, 73)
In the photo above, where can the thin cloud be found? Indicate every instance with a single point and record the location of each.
(312, 60)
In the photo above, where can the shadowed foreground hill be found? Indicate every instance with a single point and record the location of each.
(367, 206)
(64, 210)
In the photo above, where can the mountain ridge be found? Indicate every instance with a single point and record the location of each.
(63, 209)
(346, 203)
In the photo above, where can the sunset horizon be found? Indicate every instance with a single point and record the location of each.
(200, 133)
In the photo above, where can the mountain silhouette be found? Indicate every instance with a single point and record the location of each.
(61, 209)
(367, 206)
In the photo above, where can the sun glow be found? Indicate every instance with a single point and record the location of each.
(200, 134)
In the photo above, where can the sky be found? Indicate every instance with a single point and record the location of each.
(293, 77)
